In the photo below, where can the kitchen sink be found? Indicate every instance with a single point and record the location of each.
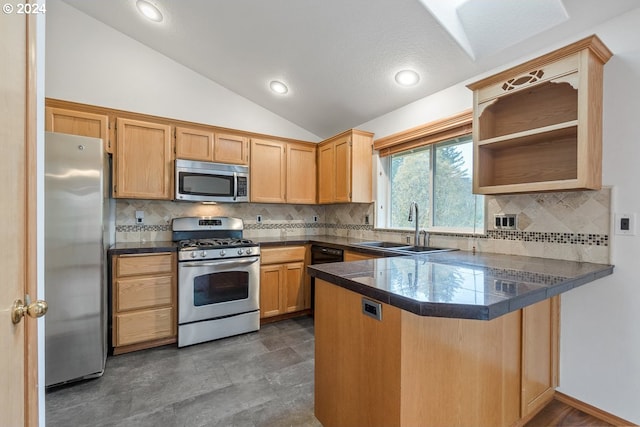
(403, 247)
(422, 249)
(383, 244)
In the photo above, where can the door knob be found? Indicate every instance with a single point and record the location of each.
(35, 309)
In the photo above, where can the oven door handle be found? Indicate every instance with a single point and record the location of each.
(219, 263)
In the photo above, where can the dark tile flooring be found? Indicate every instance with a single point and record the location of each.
(263, 378)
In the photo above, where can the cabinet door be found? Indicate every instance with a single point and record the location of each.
(231, 149)
(140, 326)
(301, 173)
(271, 277)
(78, 123)
(144, 264)
(539, 354)
(144, 160)
(268, 171)
(143, 292)
(357, 256)
(342, 173)
(194, 144)
(326, 193)
(294, 287)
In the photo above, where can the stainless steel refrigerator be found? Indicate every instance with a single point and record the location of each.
(78, 220)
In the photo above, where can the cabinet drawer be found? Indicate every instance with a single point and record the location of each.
(530, 78)
(136, 293)
(280, 255)
(136, 265)
(141, 326)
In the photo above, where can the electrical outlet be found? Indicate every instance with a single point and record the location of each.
(505, 221)
(315, 218)
(366, 219)
(139, 217)
(259, 219)
(625, 224)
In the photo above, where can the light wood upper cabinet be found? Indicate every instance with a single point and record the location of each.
(344, 168)
(144, 160)
(268, 171)
(79, 123)
(326, 166)
(282, 172)
(194, 144)
(205, 145)
(538, 126)
(301, 173)
(230, 148)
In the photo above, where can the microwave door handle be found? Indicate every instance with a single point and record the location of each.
(235, 186)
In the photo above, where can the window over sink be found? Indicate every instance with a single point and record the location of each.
(436, 171)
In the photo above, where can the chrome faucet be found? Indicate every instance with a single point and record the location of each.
(413, 206)
(425, 237)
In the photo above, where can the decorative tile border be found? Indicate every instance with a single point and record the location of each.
(134, 228)
(512, 235)
(562, 238)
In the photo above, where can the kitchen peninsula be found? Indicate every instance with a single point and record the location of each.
(444, 339)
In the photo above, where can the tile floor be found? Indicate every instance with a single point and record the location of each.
(263, 378)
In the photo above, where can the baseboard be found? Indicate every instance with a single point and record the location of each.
(280, 317)
(592, 410)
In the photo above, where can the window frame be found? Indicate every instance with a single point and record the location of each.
(427, 136)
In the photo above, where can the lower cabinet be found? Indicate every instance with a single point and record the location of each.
(540, 341)
(282, 281)
(357, 256)
(401, 369)
(143, 301)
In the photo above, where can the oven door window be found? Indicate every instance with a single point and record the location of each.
(208, 185)
(220, 287)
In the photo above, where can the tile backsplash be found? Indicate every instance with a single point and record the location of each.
(563, 225)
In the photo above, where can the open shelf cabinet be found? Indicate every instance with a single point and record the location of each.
(538, 126)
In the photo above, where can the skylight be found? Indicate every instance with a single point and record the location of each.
(484, 27)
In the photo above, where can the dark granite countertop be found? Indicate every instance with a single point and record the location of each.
(338, 242)
(460, 284)
(456, 284)
(142, 248)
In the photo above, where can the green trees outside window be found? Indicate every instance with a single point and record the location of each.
(439, 178)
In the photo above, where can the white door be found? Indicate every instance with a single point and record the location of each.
(18, 342)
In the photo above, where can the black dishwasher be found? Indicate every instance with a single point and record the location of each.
(322, 255)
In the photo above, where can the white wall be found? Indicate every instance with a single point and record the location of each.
(600, 323)
(91, 63)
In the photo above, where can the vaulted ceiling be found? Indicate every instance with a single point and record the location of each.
(339, 57)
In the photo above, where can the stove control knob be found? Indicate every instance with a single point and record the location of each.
(193, 254)
(249, 250)
(240, 251)
(203, 254)
(222, 253)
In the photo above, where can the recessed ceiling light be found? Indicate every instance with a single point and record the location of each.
(407, 78)
(278, 87)
(149, 10)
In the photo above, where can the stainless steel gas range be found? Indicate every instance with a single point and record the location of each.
(218, 279)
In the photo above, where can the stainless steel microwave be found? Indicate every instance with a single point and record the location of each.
(211, 182)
